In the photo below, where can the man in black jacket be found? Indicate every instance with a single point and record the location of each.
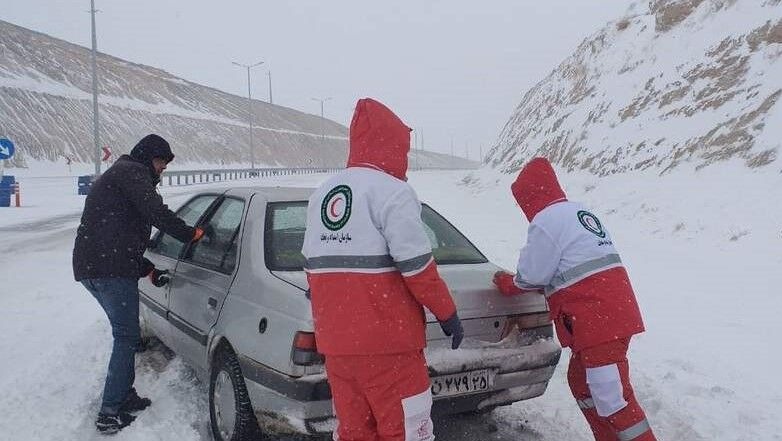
(108, 259)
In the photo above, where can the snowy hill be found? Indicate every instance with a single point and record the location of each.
(678, 82)
(46, 108)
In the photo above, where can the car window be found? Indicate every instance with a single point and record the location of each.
(285, 224)
(449, 246)
(190, 213)
(219, 248)
(286, 221)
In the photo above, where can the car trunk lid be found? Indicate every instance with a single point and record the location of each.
(483, 310)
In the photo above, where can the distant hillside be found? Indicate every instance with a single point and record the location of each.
(680, 82)
(46, 108)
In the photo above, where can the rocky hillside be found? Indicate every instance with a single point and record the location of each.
(674, 82)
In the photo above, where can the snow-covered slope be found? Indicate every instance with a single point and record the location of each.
(46, 107)
(679, 81)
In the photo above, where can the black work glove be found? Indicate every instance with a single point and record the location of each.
(159, 278)
(453, 327)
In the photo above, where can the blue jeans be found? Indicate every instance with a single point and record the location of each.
(119, 299)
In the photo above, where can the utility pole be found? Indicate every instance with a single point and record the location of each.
(480, 152)
(95, 122)
(322, 118)
(452, 146)
(250, 108)
(415, 147)
(269, 74)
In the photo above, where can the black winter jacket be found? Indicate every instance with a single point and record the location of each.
(120, 210)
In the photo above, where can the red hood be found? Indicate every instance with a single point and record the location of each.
(537, 187)
(378, 139)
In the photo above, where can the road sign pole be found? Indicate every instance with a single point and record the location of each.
(95, 120)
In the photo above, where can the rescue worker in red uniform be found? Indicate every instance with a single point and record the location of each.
(570, 257)
(370, 270)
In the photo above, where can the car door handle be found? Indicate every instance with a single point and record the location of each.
(212, 302)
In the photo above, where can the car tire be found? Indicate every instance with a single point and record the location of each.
(230, 411)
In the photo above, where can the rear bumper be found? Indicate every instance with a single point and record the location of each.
(522, 372)
(303, 405)
(279, 414)
(285, 404)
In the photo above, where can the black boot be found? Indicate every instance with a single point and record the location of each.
(110, 424)
(134, 403)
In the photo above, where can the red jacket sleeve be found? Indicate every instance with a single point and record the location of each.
(431, 291)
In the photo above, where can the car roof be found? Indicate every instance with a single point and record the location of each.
(273, 194)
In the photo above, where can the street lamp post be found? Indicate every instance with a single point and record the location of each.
(415, 147)
(322, 118)
(95, 122)
(269, 74)
(250, 108)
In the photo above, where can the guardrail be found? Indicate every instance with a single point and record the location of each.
(187, 177)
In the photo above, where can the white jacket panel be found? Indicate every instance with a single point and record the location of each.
(565, 244)
(383, 230)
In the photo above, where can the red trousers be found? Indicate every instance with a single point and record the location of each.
(599, 378)
(385, 397)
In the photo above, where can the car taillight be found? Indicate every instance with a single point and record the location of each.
(305, 349)
(525, 321)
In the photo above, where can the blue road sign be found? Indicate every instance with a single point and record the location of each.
(6, 148)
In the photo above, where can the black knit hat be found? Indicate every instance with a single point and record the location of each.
(152, 146)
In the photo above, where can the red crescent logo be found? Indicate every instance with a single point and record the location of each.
(333, 205)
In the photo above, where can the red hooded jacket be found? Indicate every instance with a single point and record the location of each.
(378, 139)
(368, 259)
(571, 257)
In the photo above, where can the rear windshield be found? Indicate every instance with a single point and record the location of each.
(286, 221)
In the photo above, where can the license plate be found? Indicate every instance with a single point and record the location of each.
(463, 383)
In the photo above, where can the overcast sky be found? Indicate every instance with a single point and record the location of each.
(452, 69)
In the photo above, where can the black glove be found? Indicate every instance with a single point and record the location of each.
(453, 327)
(159, 278)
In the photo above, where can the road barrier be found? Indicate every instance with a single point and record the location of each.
(187, 177)
(7, 185)
(18, 194)
(83, 184)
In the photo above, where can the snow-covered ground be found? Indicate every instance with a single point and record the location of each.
(704, 252)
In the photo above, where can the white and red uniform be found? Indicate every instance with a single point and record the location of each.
(570, 256)
(370, 269)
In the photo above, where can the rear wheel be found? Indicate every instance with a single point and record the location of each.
(230, 411)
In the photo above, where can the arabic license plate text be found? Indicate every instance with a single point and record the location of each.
(463, 383)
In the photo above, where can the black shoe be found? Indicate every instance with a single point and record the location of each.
(111, 424)
(134, 403)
